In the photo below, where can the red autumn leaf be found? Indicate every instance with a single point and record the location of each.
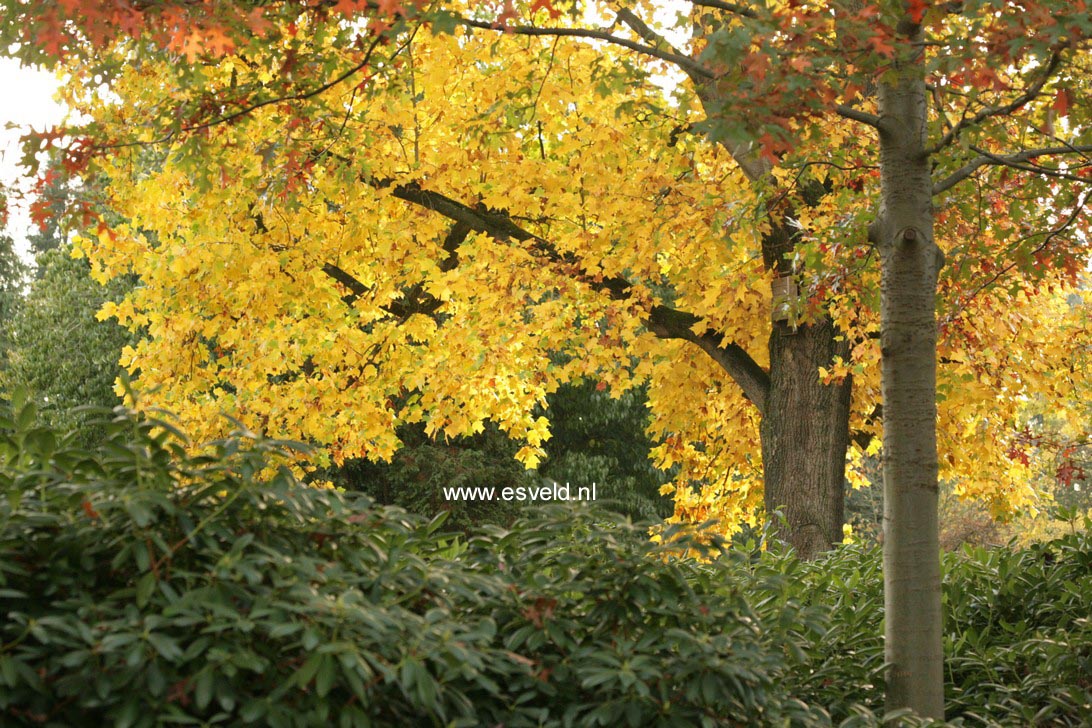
(881, 45)
(257, 22)
(349, 8)
(508, 12)
(40, 212)
(540, 611)
(755, 65)
(800, 64)
(390, 7)
(130, 21)
(916, 8)
(52, 39)
(547, 6)
(1018, 454)
(178, 693)
(1067, 472)
(89, 510)
(770, 147)
(1063, 101)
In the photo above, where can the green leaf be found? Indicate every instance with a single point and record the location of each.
(202, 693)
(166, 646)
(8, 670)
(254, 710)
(145, 588)
(308, 669)
(324, 678)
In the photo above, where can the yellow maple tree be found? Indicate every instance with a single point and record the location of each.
(481, 218)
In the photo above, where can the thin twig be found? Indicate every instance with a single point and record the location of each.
(1016, 161)
(687, 64)
(1050, 235)
(1030, 94)
(728, 7)
(302, 96)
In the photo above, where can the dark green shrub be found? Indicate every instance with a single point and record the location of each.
(623, 632)
(141, 585)
(841, 667)
(1019, 633)
(602, 440)
(419, 472)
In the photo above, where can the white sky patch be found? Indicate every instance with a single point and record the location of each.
(29, 105)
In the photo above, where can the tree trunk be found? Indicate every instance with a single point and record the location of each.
(805, 433)
(910, 261)
(805, 424)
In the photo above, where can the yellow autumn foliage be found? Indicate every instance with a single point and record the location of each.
(243, 262)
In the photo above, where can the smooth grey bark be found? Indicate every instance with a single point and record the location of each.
(910, 261)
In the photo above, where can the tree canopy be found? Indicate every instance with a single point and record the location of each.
(525, 210)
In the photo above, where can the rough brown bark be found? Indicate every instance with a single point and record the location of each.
(805, 434)
(805, 424)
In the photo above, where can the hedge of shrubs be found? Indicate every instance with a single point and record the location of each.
(141, 585)
(1018, 631)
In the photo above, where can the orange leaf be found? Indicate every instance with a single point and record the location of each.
(390, 7)
(89, 510)
(349, 8)
(881, 45)
(916, 9)
(800, 64)
(218, 43)
(1063, 101)
(257, 22)
(547, 6)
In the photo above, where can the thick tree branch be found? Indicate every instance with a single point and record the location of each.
(356, 288)
(1030, 94)
(857, 115)
(653, 38)
(663, 321)
(687, 64)
(641, 28)
(734, 8)
(415, 299)
(1016, 160)
(671, 323)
